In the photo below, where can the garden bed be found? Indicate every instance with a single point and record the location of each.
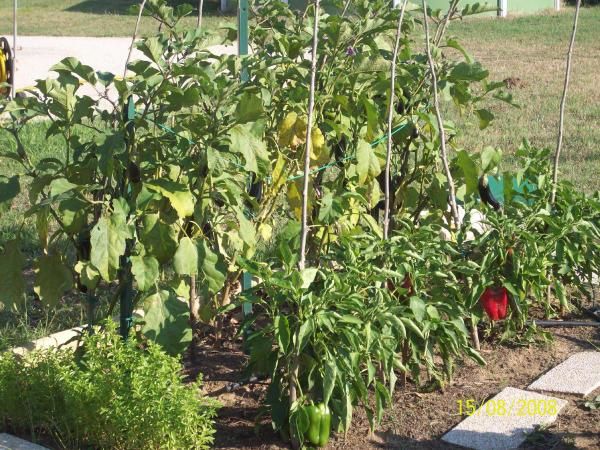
(416, 420)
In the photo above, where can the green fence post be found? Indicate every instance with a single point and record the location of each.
(243, 51)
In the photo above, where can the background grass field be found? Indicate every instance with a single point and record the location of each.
(92, 17)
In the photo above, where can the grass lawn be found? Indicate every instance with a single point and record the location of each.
(91, 17)
(533, 50)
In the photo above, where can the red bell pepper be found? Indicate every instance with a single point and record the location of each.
(494, 301)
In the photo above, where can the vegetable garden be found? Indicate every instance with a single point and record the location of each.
(311, 192)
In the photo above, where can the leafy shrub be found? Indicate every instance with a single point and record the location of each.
(113, 395)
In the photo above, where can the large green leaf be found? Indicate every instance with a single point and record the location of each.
(166, 321)
(145, 270)
(108, 239)
(185, 260)
(249, 109)
(367, 164)
(159, 238)
(52, 279)
(469, 170)
(253, 149)
(211, 268)
(182, 200)
(12, 284)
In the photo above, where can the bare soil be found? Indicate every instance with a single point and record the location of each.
(418, 419)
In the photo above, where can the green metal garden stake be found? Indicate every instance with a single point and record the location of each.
(243, 51)
(125, 276)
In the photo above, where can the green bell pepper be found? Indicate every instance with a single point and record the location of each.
(319, 424)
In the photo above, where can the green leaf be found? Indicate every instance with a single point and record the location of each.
(468, 72)
(249, 109)
(145, 270)
(490, 158)
(469, 170)
(252, 149)
(367, 163)
(72, 65)
(211, 267)
(282, 330)
(166, 322)
(88, 274)
(108, 238)
(182, 200)
(159, 238)
(9, 189)
(304, 334)
(308, 276)
(417, 306)
(185, 260)
(52, 279)
(73, 214)
(485, 118)
(329, 377)
(152, 48)
(12, 284)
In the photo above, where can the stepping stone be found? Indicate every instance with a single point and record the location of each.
(579, 374)
(8, 442)
(504, 421)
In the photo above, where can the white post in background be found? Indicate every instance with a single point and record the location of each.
(14, 49)
(557, 4)
(502, 8)
(223, 5)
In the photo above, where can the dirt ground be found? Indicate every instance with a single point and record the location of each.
(418, 419)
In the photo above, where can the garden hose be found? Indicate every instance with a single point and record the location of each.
(6, 62)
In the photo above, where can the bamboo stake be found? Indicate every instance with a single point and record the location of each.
(440, 121)
(293, 378)
(200, 9)
(561, 126)
(443, 149)
(311, 106)
(388, 159)
(135, 31)
(14, 52)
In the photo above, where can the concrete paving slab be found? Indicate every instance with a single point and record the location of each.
(9, 442)
(65, 339)
(504, 421)
(579, 374)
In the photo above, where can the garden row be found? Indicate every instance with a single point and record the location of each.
(195, 178)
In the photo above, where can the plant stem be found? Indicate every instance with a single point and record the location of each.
(561, 125)
(135, 31)
(440, 121)
(388, 159)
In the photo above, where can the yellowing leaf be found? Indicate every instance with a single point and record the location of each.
(319, 153)
(179, 195)
(294, 197)
(286, 129)
(52, 279)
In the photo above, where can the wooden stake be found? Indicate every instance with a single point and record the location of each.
(133, 38)
(388, 159)
(561, 125)
(200, 9)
